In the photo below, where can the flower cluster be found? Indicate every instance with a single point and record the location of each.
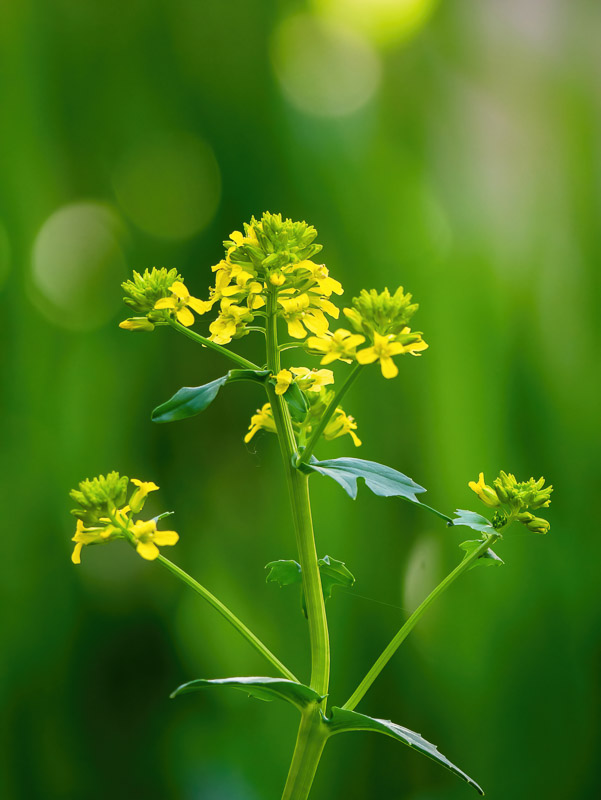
(381, 321)
(312, 384)
(512, 500)
(103, 514)
(142, 294)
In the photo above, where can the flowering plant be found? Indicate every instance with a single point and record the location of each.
(268, 280)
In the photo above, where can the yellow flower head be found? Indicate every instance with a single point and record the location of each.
(181, 302)
(148, 539)
(341, 344)
(312, 380)
(231, 322)
(262, 420)
(299, 315)
(384, 348)
(138, 498)
(339, 425)
(515, 498)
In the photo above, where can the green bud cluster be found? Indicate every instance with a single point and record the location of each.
(98, 496)
(144, 291)
(516, 498)
(272, 243)
(383, 313)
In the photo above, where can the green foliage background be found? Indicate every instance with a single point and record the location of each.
(468, 172)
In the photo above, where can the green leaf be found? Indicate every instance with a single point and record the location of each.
(191, 400)
(383, 481)
(488, 559)
(266, 689)
(472, 520)
(343, 720)
(333, 573)
(285, 573)
(297, 402)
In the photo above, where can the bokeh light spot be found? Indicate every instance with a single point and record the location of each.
(169, 186)
(78, 264)
(323, 68)
(384, 22)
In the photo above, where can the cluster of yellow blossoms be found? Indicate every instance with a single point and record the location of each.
(103, 515)
(512, 500)
(313, 385)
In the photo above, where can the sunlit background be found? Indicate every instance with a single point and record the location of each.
(452, 148)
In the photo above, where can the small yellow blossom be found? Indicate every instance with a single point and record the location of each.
(283, 380)
(338, 345)
(384, 347)
(262, 420)
(311, 380)
(138, 498)
(83, 536)
(231, 318)
(181, 302)
(299, 315)
(339, 425)
(486, 493)
(147, 537)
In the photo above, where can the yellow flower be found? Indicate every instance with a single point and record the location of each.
(263, 419)
(486, 493)
(338, 345)
(311, 380)
(138, 498)
(298, 315)
(181, 302)
(231, 317)
(147, 538)
(384, 347)
(339, 425)
(84, 536)
(137, 324)
(245, 285)
(283, 380)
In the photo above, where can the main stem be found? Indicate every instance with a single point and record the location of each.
(311, 735)
(400, 637)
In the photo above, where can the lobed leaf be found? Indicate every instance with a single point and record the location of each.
(342, 720)
(333, 573)
(267, 689)
(488, 559)
(472, 520)
(191, 400)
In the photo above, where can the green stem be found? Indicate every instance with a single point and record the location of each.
(316, 435)
(196, 337)
(387, 654)
(298, 488)
(309, 746)
(229, 616)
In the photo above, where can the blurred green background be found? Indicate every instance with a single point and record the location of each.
(452, 148)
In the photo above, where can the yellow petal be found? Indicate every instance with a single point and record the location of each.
(76, 555)
(367, 356)
(295, 329)
(389, 368)
(165, 538)
(166, 302)
(200, 306)
(147, 550)
(355, 438)
(321, 345)
(179, 290)
(185, 316)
